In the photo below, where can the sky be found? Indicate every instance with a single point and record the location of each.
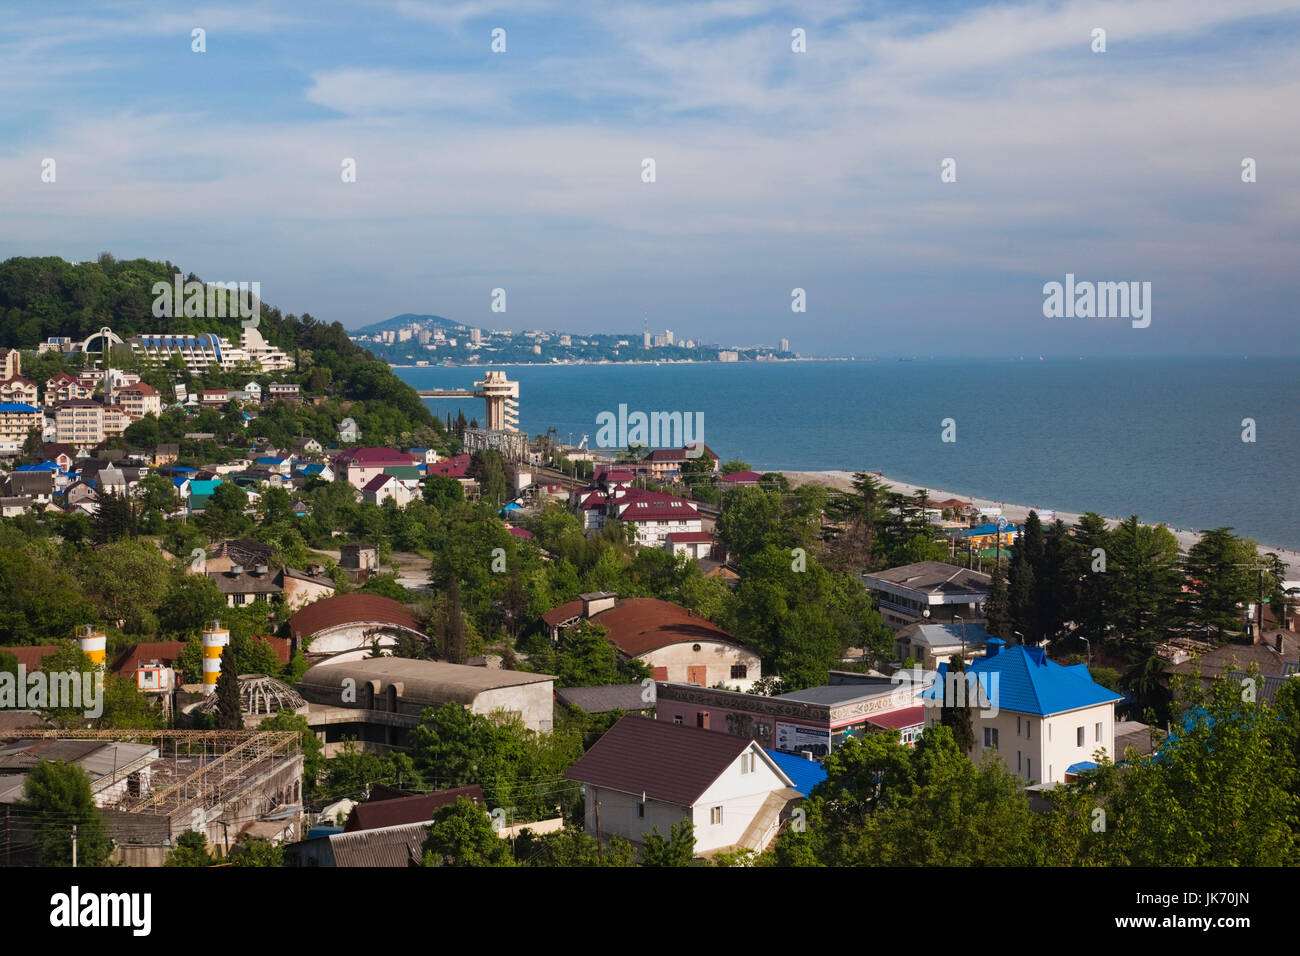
(774, 170)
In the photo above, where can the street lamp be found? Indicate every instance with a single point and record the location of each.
(1019, 635)
(1089, 643)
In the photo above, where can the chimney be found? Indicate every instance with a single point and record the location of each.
(993, 646)
(236, 569)
(260, 569)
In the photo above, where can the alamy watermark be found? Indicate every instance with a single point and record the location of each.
(210, 300)
(65, 690)
(947, 688)
(653, 430)
(1098, 300)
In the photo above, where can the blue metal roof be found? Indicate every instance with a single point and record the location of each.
(1081, 766)
(1029, 683)
(43, 466)
(986, 529)
(270, 461)
(17, 407)
(805, 773)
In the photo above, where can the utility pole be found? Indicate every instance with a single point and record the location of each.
(74, 846)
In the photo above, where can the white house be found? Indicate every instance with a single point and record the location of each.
(646, 774)
(1044, 720)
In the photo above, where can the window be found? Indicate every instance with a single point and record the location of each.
(1029, 729)
(1029, 768)
(640, 810)
(1017, 761)
(677, 719)
(1097, 732)
(739, 672)
(991, 738)
(1017, 725)
(747, 763)
(715, 816)
(1079, 737)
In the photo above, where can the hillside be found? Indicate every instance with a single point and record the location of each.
(44, 297)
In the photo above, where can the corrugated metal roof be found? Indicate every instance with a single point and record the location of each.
(388, 846)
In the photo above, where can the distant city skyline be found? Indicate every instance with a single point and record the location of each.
(778, 176)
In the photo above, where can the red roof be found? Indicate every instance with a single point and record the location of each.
(377, 482)
(125, 664)
(520, 532)
(672, 763)
(639, 504)
(380, 457)
(898, 719)
(142, 387)
(690, 537)
(350, 609)
(454, 467)
(565, 612)
(31, 655)
(742, 478)
(638, 625)
(679, 454)
(415, 808)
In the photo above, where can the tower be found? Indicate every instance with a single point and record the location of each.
(501, 396)
(215, 638)
(93, 644)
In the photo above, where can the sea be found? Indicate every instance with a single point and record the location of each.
(1165, 439)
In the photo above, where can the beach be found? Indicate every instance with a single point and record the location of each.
(1014, 513)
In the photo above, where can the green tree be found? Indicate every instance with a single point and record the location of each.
(678, 849)
(191, 850)
(1223, 574)
(230, 714)
(956, 712)
(255, 851)
(462, 835)
(58, 803)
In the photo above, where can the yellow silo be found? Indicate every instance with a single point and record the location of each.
(215, 637)
(93, 644)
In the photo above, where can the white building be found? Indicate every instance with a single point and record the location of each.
(1045, 721)
(645, 775)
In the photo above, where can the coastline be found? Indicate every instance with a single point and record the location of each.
(1014, 513)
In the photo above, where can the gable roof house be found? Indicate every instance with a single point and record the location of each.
(676, 643)
(1044, 720)
(359, 465)
(654, 514)
(646, 774)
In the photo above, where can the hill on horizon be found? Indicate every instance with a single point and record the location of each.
(405, 319)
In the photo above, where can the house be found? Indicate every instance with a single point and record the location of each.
(37, 485)
(382, 488)
(654, 514)
(79, 421)
(200, 491)
(116, 420)
(313, 469)
(740, 479)
(64, 388)
(676, 643)
(693, 544)
(253, 393)
(301, 588)
(166, 454)
(11, 363)
(17, 419)
(349, 433)
(18, 389)
(1043, 719)
(644, 775)
(932, 644)
(607, 698)
(345, 627)
(929, 591)
(666, 462)
(13, 507)
(307, 446)
(282, 392)
(81, 496)
(236, 552)
(241, 586)
(214, 397)
(140, 400)
(359, 556)
(425, 456)
(280, 466)
(388, 807)
(377, 701)
(590, 506)
(457, 466)
(360, 465)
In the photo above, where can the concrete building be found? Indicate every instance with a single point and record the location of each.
(19, 389)
(502, 399)
(929, 592)
(17, 419)
(346, 627)
(79, 421)
(930, 645)
(140, 400)
(645, 774)
(1045, 721)
(377, 700)
(813, 721)
(677, 644)
(359, 465)
(654, 514)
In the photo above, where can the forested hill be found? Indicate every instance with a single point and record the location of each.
(44, 297)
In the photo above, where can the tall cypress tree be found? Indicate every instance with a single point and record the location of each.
(229, 713)
(956, 706)
(997, 609)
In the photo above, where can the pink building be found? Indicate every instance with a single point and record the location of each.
(360, 465)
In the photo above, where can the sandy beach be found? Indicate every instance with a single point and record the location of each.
(1014, 513)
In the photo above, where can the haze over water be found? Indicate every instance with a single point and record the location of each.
(1156, 437)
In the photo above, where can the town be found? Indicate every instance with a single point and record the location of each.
(410, 641)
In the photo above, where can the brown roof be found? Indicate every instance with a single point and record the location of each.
(31, 655)
(415, 808)
(672, 763)
(350, 608)
(638, 625)
(124, 664)
(566, 611)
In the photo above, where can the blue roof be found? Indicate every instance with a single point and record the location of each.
(984, 529)
(17, 407)
(184, 468)
(805, 773)
(202, 489)
(310, 469)
(179, 481)
(43, 466)
(1081, 766)
(270, 461)
(1029, 683)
